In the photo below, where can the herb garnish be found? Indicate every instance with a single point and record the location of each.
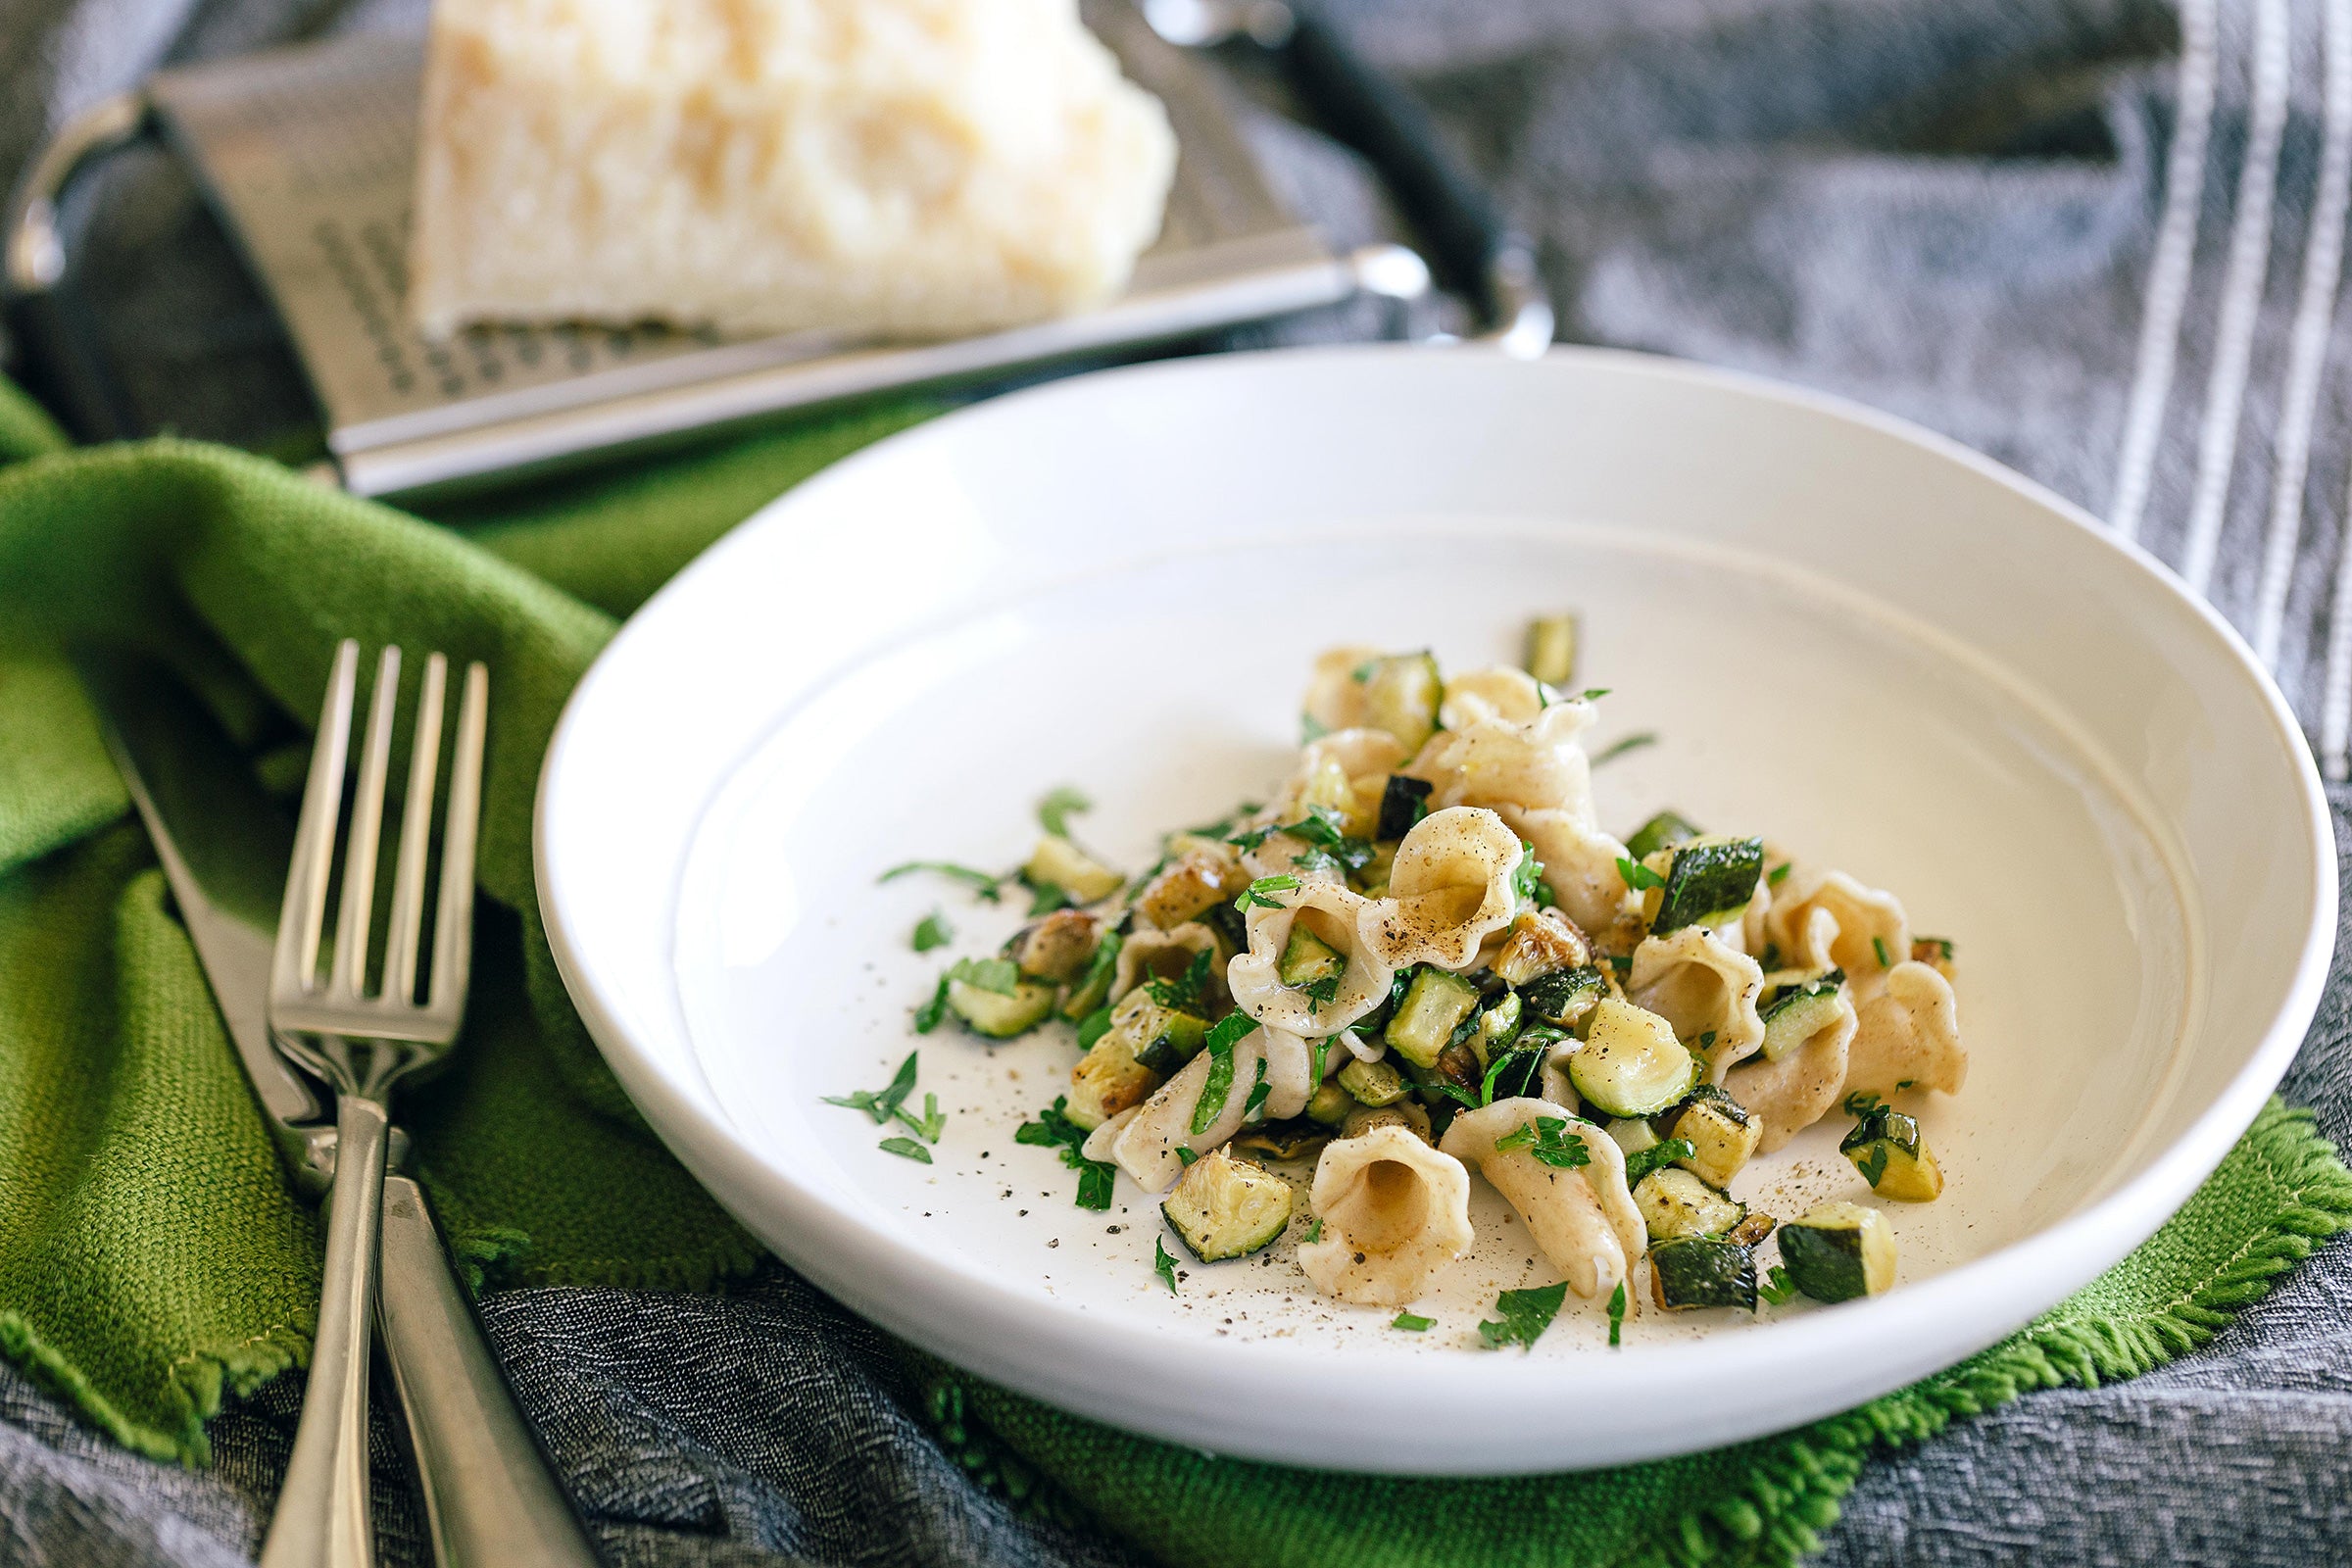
(1093, 1027)
(881, 1103)
(1631, 743)
(1101, 967)
(933, 931)
(1616, 1314)
(1315, 1231)
(1778, 873)
(1873, 1165)
(1184, 1156)
(1861, 1102)
(1548, 1140)
(1941, 945)
(907, 1147)
(1776, 1286)
(980, 882)
(1162, 1265)
(1311, 728)
(1319, 994)
(1412, 1324)
(1527, 882)
(1640, 878)
(1657, 1157)
(1187, 992)
(1054, 1127)
(1594, 693)
(1329, 846)
(1054, 811)
(1259, 1091)
(1494, 1070)
(1523, 1317)
(1877, 944)
(1260, 891)
(928, 1015)
(1218, 1085)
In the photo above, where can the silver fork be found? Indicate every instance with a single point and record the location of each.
(363, 1045)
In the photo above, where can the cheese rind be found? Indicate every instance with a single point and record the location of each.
(895, 168)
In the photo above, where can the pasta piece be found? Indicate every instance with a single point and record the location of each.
(1290, 1072)
(1536, 766)
(1705, 988)
(1394, 1213)
(1333, 915)
(1449, 891)
(1908, 1036)
(1148, 956)
(1099, 1143)
(1583, 1218)
(1580, 866)
(1335, 698)
(1498, 691)
(1793, 1093)
(1862, 923)
(1147, 1149)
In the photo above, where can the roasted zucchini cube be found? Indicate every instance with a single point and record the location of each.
(1565, 997)
(1752, 1230)
(1436, 1003)
(1541, 942)
(1001, 1014)
(1630, 1065)
(1373, 1083)
(1662, 831)
(1840, 1252)
(1331, 1102)
(1182, 889)
(1402, 803)
(1402, 694)
(1226, 1208)
(1308, 960)
(1157, 1036)
(1888, 1148)
(1799, 1012)
(1058, 947)
(1057, 862)
(1722, 1132)
(1106, 1080)
(1496, 1029)
(1710, 880)
(1674, 1202)
(1697, 1271)
(1551, 649)
(1294, 1139)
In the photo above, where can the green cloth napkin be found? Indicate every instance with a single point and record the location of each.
(150, 1257)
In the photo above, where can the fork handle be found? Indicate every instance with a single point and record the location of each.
(489, 1496)
(323, 1518)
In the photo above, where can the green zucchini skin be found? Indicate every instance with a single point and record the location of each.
(1521, 1075)
(1662, 831)
(1840, 1253)
(1226, 1208)
(1565, 996)
(1435, 1006)
(1710, 880)
(1799, 1012)
(1689, 1272)
(1402, 803)
(1675, 1203)
(1720, 1129)
(1307, 957)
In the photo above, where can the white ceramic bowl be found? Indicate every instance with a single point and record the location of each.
(1875, 648)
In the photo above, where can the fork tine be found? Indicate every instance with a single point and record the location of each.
(301, 919)
(349, 973)
(453, 928)
(405, 925)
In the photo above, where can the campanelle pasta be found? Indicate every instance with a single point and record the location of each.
(1425, 957)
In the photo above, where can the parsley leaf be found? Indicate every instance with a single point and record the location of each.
(1315, 1231)
(1778, 873)
(1046, 896)
(1094, 1179)
(908, 1148)
(1093, 1027)
(1104, 963)
(1631, 743)
(881, 1103)
(1162, 1265)
(1185, 1154)
(1329, 846)
(1522, 1316)
(1412, 1324)
(1592, 694)
(1259, 1091)
(1261, 891)
(998, 975)
(1054, 1127)
(1527, 882)
(1657, 1157)
(928, 1015)
(929, 1124)
(1548, 1140)
(1877, 944)
(1616, 1314)
(1640, 878)
(1319, 994)
(1187, 992)
(1311, 728)
(1873, 1165)
(933, 931)
(980, 882)
(1054, 811)
(1218, 1085)
(1861, 1102)
(1777, 1287)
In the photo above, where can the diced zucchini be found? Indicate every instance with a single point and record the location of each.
(1752, 1230)
(1710, 880)
(1294, 1139)
(1373, 1083)
(1551, 649)
(1541, 942)
(1182, 889)
(1162, 1038)
(1721, 1131)
(1058, 947)
(1106, 1080)
(1631, 1064)
(1494, 1029)
(1565, 997)
(997, 1014)
(1631, 1134)
(1402, 803)
(1695, 1271)
(1306, 959)
(1799, 1012)
(1331, 1101)
(1226, 1208)
(1662, 831)
(1060, 864)
(1840, 1252)
(1674, 1203)
(1888, 1148)
(1402, 694)
(1435, 1006)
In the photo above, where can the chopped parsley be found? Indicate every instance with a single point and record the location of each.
(1259, 1091)
(1260, 893)
(1861, 1102)
(881, 1103)
(1616, 1314)
(1522, 1316)
(1873, 1165)
(1594, 693)
(1093, 1027)
(1622, 962)
(1943, 946)
(1640, 878)
(1162, 1265)
(1048, 896)
(1657, 1157)
(998, 975)
(1315, 1231)
(1329, 846)
(1054, 811)
(1877, 944)
(1549, 1141)
(1218, 1085)
(1185, 1154)
(1311, 728)
(1776, 1286)
(929, 1124)
(1053, 1128)
(1101, 967)
(1413, 1324)
(1187, 992)
(1631, 743)
(907, 1147)
(1319, 994)
(928, 1015)
(1451, 1090)
(1778, 873)
(933, 931)
(1527, 882)
(980, 882)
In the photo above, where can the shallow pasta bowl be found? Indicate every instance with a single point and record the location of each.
(1875, 648)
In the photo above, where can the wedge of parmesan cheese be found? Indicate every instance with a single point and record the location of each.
(896, 168)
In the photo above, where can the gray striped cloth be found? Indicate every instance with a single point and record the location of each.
(2100, 239)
